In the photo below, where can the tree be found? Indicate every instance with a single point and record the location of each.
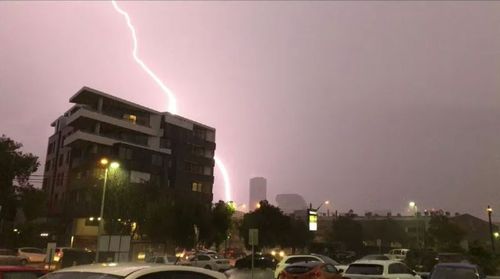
(221, 222)
(299, 235)
(444, 235)
(348, 232)
(14, 166)
(270, 221)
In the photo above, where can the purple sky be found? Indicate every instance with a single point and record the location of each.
(367, 104)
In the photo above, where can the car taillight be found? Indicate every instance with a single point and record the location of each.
(316, 274)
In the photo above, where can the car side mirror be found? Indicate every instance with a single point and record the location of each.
(340, 270)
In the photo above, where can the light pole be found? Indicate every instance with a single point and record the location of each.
(113, 165)
(414, 208)
(490, 211)
(324, 202)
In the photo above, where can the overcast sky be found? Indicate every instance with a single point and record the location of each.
(366, 104)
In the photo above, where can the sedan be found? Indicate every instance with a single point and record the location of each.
(209, 261)
(456, 271)
(308, 270)
(263, 268)
(133, 271)
(34, 255)
(380, 269)
(10, 257)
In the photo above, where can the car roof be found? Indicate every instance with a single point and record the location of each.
(307, 264)
(380, 262)
(124, 269)
(459, 265)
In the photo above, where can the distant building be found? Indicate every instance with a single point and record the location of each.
(258, 192)
(289, 203)
(172, 152)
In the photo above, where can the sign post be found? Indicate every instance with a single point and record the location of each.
(253, 240)
(312, 217)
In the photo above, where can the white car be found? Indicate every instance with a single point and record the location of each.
(208, 261)
(133, 271)
(34, 255)
(391, 269)
(288, 260)
(162, 259)
(397, 254)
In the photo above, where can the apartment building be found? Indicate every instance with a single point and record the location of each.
(152, 147)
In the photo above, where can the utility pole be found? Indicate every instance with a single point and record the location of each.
(490, 211)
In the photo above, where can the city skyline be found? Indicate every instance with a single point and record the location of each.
(367, 105)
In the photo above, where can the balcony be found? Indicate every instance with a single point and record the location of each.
(105, 140)
(84, 112)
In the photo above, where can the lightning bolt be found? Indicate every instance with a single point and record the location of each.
(172, 105)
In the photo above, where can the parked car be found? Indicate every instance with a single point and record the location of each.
(208, 261)
(10, 257)
(20, 272)
(456, 271)
(67, 256)
(34, 255)
(307, 270)
(263, 268)
(288, 260)
(397, 254)
(133, 271)
(166, 259)
(378, 257)
(391, 269)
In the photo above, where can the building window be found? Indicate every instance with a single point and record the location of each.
(130, 117)
(207, 171)
(157, 160)
(125, 153)
(165, 143)
(47, 165)
(193, 168)
(139, 177)
(197, 187)
(61, 160)
(51, 148)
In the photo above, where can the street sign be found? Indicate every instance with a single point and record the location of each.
(253, 237)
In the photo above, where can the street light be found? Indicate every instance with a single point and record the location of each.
(414, 208)
(490, 211)
(324, 202)
(113, 165)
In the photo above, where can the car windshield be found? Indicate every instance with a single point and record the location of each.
(328, 260)
(80, 275)
(453, 273)
(365, 269)
(19, 275)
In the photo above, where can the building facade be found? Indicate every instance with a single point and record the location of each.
(258, 192)
(289, 203)
(172, 152)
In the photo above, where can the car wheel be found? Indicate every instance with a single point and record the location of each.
(208, 267)
(24, 262)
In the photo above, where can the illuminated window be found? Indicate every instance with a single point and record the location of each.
(196, 187)
(130, 117)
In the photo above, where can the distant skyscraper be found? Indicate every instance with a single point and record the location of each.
(289, 203)
(258, 190)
